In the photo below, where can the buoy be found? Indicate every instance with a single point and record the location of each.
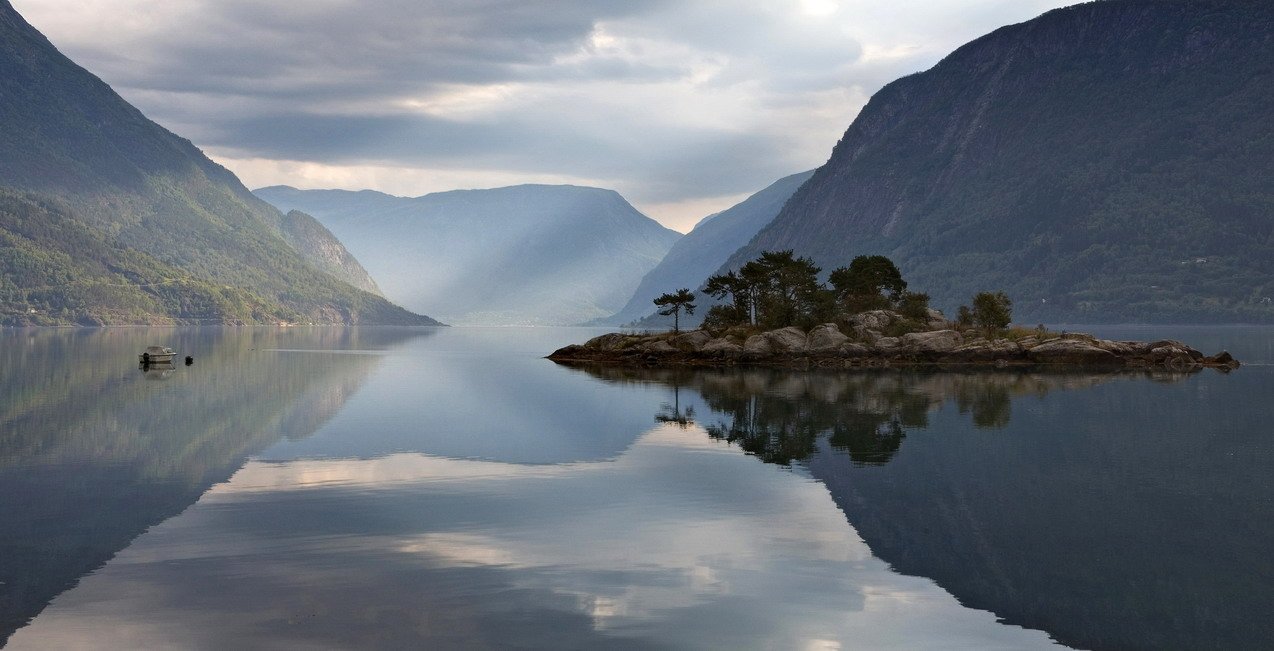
(189, 360)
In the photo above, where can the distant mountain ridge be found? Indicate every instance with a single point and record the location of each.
(521, 255)
(705, 248)
(69, 144)
(1110, 161)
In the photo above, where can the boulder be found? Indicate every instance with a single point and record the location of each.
(757, 345)
(612, 341)
(866, 334)
(936, 320)
(887, 344)
(568, 352)
(938, 341)
(691, 342)
(1222, 359)
(874, 319)
(1146, 347)
(721, 348)
(1121, 348)
(1164, 353)
(1072, 351)
(1028, 342)
(981, 350)
(826, 338)
(854, 350)
(658, 347)
(787, 340)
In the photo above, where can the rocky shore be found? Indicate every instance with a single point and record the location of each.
(864, 344)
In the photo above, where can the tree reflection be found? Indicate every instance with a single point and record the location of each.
(782, 416)
(988, 404)
(673, 414)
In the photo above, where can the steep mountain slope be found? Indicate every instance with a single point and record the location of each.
(317, 245)
(529, 254)
(67, 137)
(701, 251)
(1111, 161)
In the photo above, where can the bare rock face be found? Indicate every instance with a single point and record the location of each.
(787, 340)
(1072, 351)
(938, 341)
(826, 338)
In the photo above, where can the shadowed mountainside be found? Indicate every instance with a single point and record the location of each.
(1110, 161)
(192, 234)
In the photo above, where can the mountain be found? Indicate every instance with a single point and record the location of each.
(522, 255)
(171, 236)
(1111, 161)
(705, 248)
(317, 244)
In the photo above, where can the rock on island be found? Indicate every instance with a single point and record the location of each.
(862, 341)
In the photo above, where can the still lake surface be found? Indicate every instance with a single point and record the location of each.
(448, 488)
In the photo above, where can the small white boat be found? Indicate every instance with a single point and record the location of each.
(156, 354)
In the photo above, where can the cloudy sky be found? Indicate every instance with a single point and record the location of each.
(684, 106)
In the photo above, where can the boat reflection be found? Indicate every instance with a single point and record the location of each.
(90, 457)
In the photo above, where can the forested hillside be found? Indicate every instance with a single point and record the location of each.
(132, 191)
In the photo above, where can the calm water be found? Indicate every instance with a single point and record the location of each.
(448, 488)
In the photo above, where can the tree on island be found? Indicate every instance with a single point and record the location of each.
(779, 289)
(775, 290)
(672, 305)
(991, 311)
(869, 282)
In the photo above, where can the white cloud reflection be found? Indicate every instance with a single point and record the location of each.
(681, 541)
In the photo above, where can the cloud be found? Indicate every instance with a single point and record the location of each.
(669, 102)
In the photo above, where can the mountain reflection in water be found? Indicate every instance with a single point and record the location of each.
(93, 452)
(1127, 510)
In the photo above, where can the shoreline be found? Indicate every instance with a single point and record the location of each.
(825, 347)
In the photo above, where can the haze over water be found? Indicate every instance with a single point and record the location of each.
(384, 487)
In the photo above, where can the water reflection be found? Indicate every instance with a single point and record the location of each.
(457, 490)
(678, 543)
(94, 451)
(780, 416)
(1111, 510)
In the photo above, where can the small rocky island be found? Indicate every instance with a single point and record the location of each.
(866, 345)
(774, 311)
